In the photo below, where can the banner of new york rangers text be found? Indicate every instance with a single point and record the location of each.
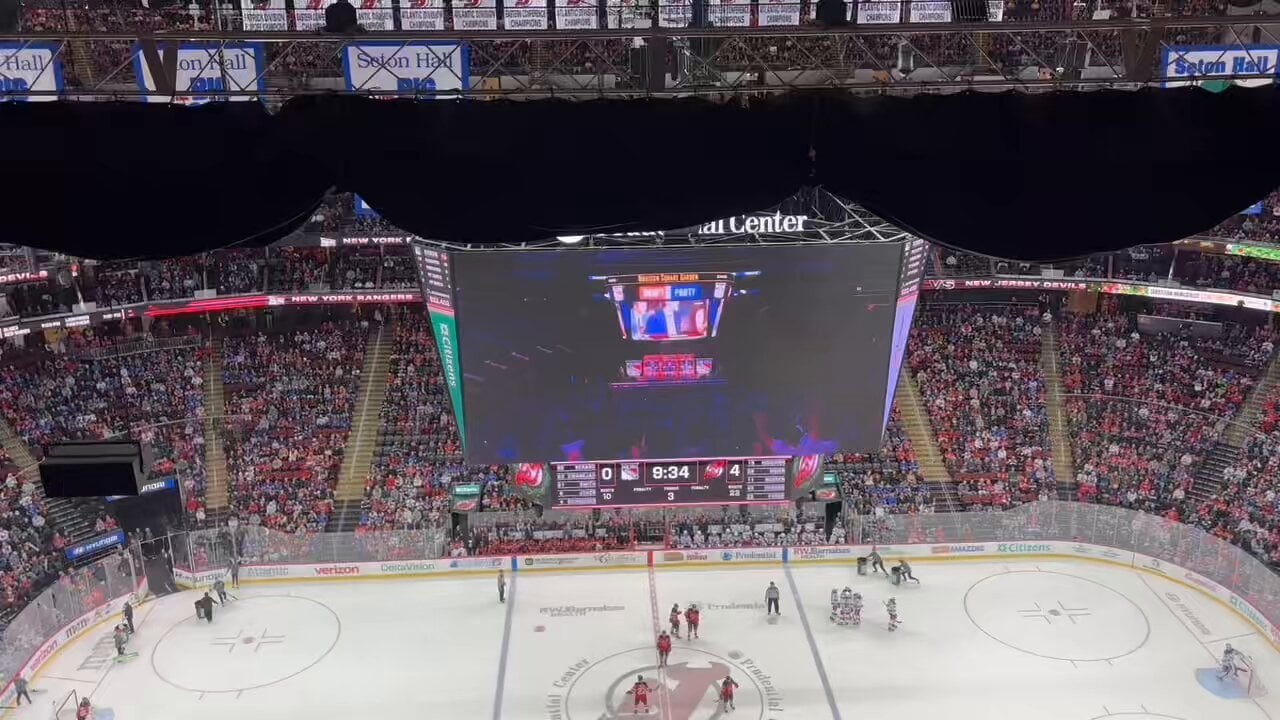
(475, 15)
(524, 14)
(270, 15)
(207, 71)
(1252, 65)
(421, 14)
(422, 67)
(577, 14)
(27, 67)
(729, 13)
(779, 12)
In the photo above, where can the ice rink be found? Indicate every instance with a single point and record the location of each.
(979, 640)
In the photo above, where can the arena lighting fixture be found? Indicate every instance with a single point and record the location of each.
(570, 239)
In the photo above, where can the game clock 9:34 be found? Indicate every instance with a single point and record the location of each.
(673, 472)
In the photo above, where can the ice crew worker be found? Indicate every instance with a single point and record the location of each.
(128, 616)
(876, 562)
(20, 687)
(771, 600)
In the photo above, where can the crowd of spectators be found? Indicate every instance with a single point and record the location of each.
(887, 481)
(155, 397)
(978, 370)
(732, 528)
(289, 400)
(1145, 409)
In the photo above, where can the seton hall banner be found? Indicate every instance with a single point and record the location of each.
(424, 67)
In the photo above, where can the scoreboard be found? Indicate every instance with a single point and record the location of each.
(624, 483)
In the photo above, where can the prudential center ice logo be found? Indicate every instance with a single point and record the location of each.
(687, 689)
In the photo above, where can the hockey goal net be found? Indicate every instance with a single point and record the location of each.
(1252, 683)
(65, 707)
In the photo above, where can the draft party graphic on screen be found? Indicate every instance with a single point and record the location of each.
(690, 352)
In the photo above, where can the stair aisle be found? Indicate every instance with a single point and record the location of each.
(1055, 407)
(363, 440)
(915, 420)
(1209, 475)
(71, 516)
(215, 459)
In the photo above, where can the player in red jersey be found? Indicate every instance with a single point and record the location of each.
(675, 620)
(727, 687)
(640, 695)
(664, 649)
(691, 616)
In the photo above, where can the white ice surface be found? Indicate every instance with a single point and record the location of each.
(979, 641)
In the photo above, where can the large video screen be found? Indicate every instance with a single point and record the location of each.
(602, 354)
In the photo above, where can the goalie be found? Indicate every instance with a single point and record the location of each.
(1233, 663)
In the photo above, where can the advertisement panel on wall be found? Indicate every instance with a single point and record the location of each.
(423, 68)
(207, 72)
(29, 67)
(420, 67)
(1215, 67)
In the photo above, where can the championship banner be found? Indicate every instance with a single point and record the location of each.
(779, 12)
(524, 14)
(421, 67)
(879, 12)
(375, 15)
(932, 11)
(206, 71)
(265, 15)
(729, 13)
(620, 14)
(25, 67)
(308, 14)
(577, 14)
(675, 13)
(1215, 67)
(475, 15)
(422, 15)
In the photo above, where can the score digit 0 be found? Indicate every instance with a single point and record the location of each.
(606, 472)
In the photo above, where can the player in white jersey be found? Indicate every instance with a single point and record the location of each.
(855, 609)
(835, 605)
(891, 606)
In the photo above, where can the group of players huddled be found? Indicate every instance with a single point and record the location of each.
(846, 605)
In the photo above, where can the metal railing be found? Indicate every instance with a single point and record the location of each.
(140, 346)
(1183, 545)
(254, 544)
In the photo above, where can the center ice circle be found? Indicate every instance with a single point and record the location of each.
(1056, 616)
(251, 643)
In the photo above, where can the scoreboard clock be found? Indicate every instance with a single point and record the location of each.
(711, 481)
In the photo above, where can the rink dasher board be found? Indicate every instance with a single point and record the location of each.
(726, 558)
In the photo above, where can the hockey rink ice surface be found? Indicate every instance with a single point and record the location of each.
(1057, 640)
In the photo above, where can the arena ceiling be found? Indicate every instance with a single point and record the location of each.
(1016, 175)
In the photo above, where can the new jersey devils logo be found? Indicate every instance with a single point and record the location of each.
(714, 470)
(529, 475)
(261, 5)
(806, 469)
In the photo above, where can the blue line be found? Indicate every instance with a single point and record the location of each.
(813, 646)
(506, 644)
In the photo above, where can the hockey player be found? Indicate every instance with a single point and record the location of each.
(204, 608)
(1229, 664)
(904, 571)
(835, 605)
(891, 606)
(502, 586)
(235, 573)
(675, 620)
(84, 711)
(220, 588)
(855, 609)
(877, 563)
(640, 695)
(693, 617)
(664, 649)
(727, 686)
(128, 616)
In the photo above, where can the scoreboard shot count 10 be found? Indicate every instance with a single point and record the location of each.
(628, 483)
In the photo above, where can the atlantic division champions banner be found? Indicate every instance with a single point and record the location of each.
(25, 67)
(267, 15)
(577, 14)
(422, 67)
(207, 71)
(422, 15)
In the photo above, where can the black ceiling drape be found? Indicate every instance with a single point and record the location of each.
(1014, 175)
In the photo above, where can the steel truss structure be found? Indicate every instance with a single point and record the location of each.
(889, 58)
(827, 218)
